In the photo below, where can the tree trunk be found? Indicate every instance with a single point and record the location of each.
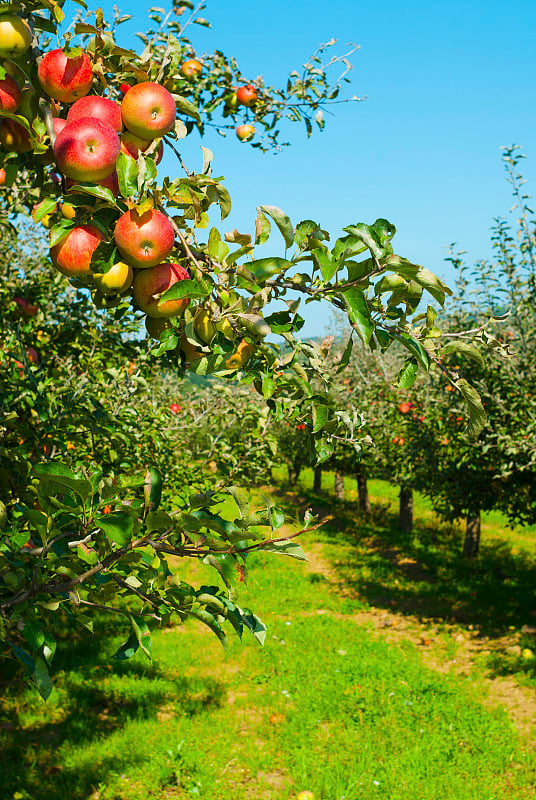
(317, 480)
(472, 535)
(362, 493)
(339, 486)
(405, 517)
(293, 474)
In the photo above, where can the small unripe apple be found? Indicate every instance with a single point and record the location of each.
(306, 795)
(10, 94)
(15, 36)
(191, 68)
(245, 132)
(156, 327)
(103, 301)
(13, 137)
(97, 108)
(116, 281)
(63, 78)
(247, 95)
(150, 284)
(231, 102)
(72, 254)
(87, 149)
(68, 211)
(243, 353)
(146, 240)
(148, 110)
(203, 325)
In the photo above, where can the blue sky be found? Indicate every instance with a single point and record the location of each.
(446, 85)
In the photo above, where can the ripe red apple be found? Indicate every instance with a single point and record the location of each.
(65, 79)
(145, 240)
(58, 124)
(10, 94)
(132, 146)
(124, 87)
(15, 36)
(191, 68)
(13, 137)
(72, 254)
(148, 110)
(2, 176)
(404, 408)
(32, 355)
(87, 149)
(97, 108)
(175, 408)
(247, 95)
(149, 285)
(245, 132)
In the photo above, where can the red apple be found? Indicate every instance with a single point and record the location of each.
(59, 124)
(87, 149)
(26, 309)
(404, 408)
(149, 284)
(247, 95)
(124, 87)
(2, 176)
(32, 355)
(191, 68)
(97, 108)
(10, 94)
(132, 146)
(148, 110)
(245, 132)
(145, 240)
(13, 137)
(175, 408)
(65, 79)
(72, 254)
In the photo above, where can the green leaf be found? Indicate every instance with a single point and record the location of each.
(268, 386)
(152, 489)
(359, 313)
(143, 635)
(118, 527)
(185, 106)
(323, 449)
(264, 268)
(282, 221)
(408, 373)
(432, 284)
(345, 358)
(128, 648)
(210, 621)
(224, 199)
(186, 288)
(415, 348)
(323, 259)
(46, 206)
(60, 230)
(58, 476)
(127, 174)
(33, 634)
(41, 678)
(96, 191)
(477, 415)
(254, 624)
(292, 549)
(465, 349)
(262, 228)
(369, 237)
(320, 415)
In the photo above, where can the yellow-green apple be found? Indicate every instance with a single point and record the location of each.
(203, 325)
(245, 132)
(150, 284)
(247, 95)
(98, 108)
(102, 301)
(156, 327)
(191, 68)
(190, 351)
(63, 78)
(15, 36)
(72, 254)
(144, 240)
(148, 110)
(68, 210)
(10, 94)
(116, 281)
(132, 146)
(243, 353)
(13, 137)
(87, 149)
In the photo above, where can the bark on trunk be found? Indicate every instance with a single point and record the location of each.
(405, 517)
(317, 480)
(362, 493)
(293, 474)
(339, 486)
(472, 535)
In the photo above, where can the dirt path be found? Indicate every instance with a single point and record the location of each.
(453, 649)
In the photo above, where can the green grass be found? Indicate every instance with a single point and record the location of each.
(324, 706)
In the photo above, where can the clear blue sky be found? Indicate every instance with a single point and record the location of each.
(446, 83)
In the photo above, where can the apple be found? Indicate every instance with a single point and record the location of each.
(231, 102)
(247, 95)
(191, 352)
(87, 149)
(146, 240)
(10, 94)
(63, 78)
(306, 795)
(149, 285)
(32, 355)
(2, 176)
(148, 110)
(102, 301)
(404, 408)
(68, 211)
(97, 108)
(175, 408)
(124, 87)
(116, 281)
(72, 254)
(15, 36)
(26, 308)
(243, 353)
(156, 327)
(191, 68)
(203, 325)
(245, 132)
(132, 146)
(13, 137)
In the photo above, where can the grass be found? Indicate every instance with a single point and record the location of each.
(324, 706)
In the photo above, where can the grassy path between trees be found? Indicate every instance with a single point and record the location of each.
(376, 681)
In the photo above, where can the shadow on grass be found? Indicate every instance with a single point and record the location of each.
(424, 573)
(94, 697)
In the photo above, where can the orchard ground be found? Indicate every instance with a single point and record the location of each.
(392, 669)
